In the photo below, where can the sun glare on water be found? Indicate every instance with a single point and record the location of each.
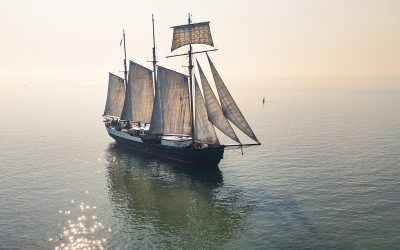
(81, 230)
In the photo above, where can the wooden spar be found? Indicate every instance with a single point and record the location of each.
(125, 72)
(191, 82)
(185, 54)
(190, 54)
(242, 145)
(154, 53)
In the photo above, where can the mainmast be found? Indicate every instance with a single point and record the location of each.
(154, 53)
(125, 72)
(191, 80)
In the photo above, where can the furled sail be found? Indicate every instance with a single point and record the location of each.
(214, 111)
(203, 131)
(231, 110)
(115, 96)
(139, 99)
(171, 113)
(195, 33)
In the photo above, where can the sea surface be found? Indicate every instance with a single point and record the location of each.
(327, 175)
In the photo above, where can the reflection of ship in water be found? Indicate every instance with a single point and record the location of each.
(211, 177)
(177, 207)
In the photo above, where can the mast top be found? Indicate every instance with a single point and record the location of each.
(125, 71)
(154, 53)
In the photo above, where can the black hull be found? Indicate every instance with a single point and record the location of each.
(206, 157)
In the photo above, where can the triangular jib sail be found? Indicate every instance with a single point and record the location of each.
(214, 111)
(203, 131)
(171, 113)
(231, 110)
(115, 96)
(139, 98)
(195, 33)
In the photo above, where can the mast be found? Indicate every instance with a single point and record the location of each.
(154, 53)
(125, 72)
(191, 80)
(188, 34)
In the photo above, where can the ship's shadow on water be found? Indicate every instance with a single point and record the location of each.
(170, 205)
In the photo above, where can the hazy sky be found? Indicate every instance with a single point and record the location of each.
(54, 40)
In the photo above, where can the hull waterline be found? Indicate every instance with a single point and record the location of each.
(205, 157)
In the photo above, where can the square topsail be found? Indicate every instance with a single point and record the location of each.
(196, 33)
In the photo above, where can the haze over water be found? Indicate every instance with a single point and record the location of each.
(326, 176)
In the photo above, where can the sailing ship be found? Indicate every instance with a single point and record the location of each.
(163, 113)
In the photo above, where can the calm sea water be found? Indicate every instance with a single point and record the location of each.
(327, 175)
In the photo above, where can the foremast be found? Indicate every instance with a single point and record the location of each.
(183, 35)
(218, 114)
(191, 81)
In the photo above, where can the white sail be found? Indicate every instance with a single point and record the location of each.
(115, 96)
(171, 113)
(195, 33)
(231, 110)
(203, 130)
(139, 99)
(214, 111)
(156, 125)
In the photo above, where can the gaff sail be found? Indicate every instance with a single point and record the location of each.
(115, 96)
(195, 33)
(231, 110)
(171, 113)
(139, 98)
(214, 111)
(204, 131)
